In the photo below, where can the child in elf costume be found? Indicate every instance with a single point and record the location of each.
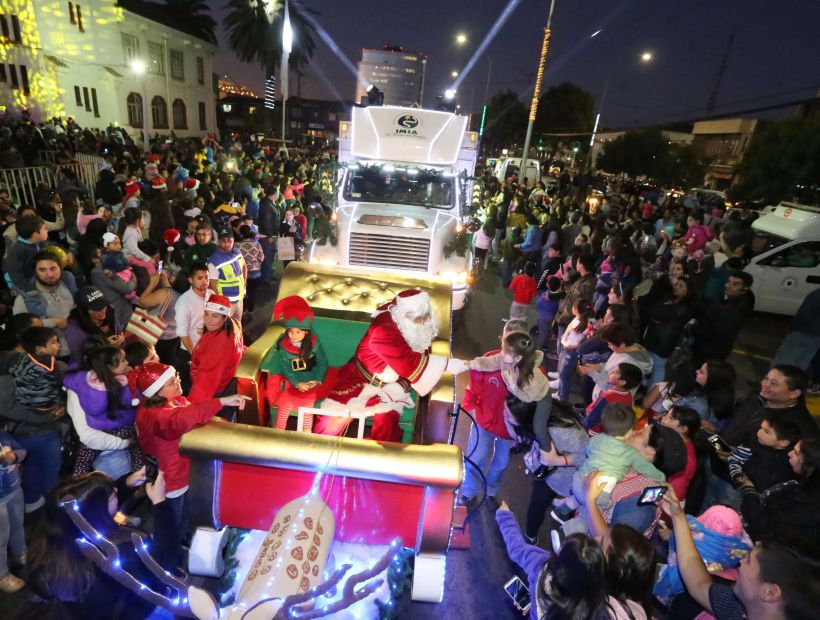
(298, 365)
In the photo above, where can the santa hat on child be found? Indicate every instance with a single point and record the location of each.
(294, 311)
(219, 304)
(412, 301)
(149, 379)
(153, 158)
(190, 185)
(151, 172)
(158, 183)
(171, 236)
(131, 188)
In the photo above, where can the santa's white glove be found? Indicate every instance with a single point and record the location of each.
(395, 393)
(457, 366)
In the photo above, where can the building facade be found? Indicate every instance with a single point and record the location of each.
(398, 74)
(69, 59)
(724, 142)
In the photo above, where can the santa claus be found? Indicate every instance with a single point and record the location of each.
(392, 357)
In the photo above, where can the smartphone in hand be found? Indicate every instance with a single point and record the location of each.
(651, 495)
(718, 443)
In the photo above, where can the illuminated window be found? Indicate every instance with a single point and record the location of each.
(134, 105)
(130, 47)
(180, 116)
(203, 124)
(227, 107)
(200, 69)
(159, 113)
(156, 61)
(252, 109)
(177, 64)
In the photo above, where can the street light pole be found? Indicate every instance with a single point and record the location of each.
(287, 45)
(537, 92)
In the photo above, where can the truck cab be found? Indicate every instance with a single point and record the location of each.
(786, 257)
(401, 191)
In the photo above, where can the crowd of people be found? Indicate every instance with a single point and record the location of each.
(124, 322)
(123, 330)
(621, 397)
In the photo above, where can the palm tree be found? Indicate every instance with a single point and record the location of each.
(196, 14)
(254, 29)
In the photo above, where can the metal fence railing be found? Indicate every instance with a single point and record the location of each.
(22, 183)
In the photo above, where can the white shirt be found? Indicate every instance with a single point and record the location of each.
(190, 313)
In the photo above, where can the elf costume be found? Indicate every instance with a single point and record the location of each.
(288, 366)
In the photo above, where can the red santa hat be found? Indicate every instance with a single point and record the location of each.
(219, 304)
(412, 301)
(171, 236)
(149, 379)
(158, 183)
(294, 311)
(131, 188)
(190, 185)
(153, 158)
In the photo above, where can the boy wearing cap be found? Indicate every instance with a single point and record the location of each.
(228, 272)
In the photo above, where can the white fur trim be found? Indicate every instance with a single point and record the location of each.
(359, 405)
(218, 308)
(388, 375)
(157, 385)
(436, 365)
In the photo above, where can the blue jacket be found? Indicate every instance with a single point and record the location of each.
(532, 240)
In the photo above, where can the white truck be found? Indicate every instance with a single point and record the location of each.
(400, 194)
(786, 257)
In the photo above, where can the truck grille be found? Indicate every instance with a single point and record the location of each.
(386, 252)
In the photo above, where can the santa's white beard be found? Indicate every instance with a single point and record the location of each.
(419, 337)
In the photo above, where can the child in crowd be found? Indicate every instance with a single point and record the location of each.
(113, 259)
(608, 454)
(524, 290)
(765, 462)
(547, 307)
(573, 336)
(88, 213)
(137, 353)
(298, 365)
(622, 378)
(38, 381)
(106, 402)
(697, 236)
(12, 535)
(253, 255)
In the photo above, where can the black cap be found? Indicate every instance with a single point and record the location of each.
(91, 298)
(224, 233)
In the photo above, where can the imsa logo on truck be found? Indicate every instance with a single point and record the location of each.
(407, 125)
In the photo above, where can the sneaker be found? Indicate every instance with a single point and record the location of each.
(531, 540)
(554, 384)
(552, 375)
(562, 513)
(10, 584)
(556, 539)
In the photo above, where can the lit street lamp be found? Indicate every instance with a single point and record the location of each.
(287, 46)
(138, 67)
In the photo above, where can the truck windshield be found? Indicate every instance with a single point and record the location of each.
(399, 185)
(763, 242)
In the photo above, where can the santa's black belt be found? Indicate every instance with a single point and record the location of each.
(376, 382)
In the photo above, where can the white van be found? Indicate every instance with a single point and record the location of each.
(786, 263)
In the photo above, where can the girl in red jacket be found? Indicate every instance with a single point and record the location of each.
(164, 415)
(217, 354)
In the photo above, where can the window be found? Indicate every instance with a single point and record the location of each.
(86, 99)
(200, 70)
(180, 116)
(3, 76)
(80, 18)
(94, 103)
(802, 255)
(13, 73)
(156, 61)
(24, 79)
(203, 123)
(10, 29)
(227, 107)
(331, 116)
(251, 109)
(77, 96)
(71, 13)
(134, 105)
(177, 64)
(130, 47)
(159, 113)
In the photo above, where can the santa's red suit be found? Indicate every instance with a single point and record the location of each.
(378, 378)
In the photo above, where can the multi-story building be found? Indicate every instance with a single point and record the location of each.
(60, 58)
(395, 72)
(315, 118)
(724, 141)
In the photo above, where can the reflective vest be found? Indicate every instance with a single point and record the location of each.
(231, 284)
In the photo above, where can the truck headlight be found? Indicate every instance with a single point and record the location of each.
(457, 278)
(329, 262)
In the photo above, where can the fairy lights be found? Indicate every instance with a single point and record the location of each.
(539, 76)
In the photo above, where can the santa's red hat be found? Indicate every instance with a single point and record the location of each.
(219, 304)
(131, 188)
(158, 183)
(170, 236)
(412, 301)
(149, 379)
(294, 311)
(190, 185)
(154, 158)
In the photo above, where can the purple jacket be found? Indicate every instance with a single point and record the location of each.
(529, 557)
(94, 401)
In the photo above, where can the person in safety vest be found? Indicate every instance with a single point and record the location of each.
(228, 272)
